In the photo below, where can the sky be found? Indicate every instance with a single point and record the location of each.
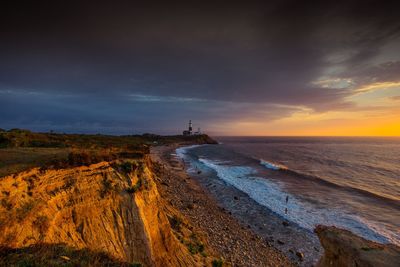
(234, 68)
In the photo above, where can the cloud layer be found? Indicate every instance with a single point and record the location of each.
(127, 67)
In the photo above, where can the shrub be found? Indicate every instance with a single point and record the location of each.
(57, 255)
(70, 182)
(107, 187)
(135, 187)
(79, 159)
(175, 222)
(128, 167)
(4, 142)
(217, 263)
(195, 248)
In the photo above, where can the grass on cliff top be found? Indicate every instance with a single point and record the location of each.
(23, 149)
(26, 138)
(57, 255)
(14, 160)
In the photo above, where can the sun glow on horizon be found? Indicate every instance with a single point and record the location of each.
(323, 128)
(374, 110)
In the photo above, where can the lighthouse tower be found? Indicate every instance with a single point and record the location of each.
(189, 131)
(190, 127)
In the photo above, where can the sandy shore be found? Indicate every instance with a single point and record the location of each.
(226, 235)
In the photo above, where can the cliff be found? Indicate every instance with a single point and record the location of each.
(109, 207)
(343, 248)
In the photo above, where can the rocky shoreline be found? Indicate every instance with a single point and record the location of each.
(245, 233)
(236, 242)
(298, 244)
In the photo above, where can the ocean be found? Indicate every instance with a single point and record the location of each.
(352, 183)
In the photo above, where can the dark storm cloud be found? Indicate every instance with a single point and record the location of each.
(384, 72)
(129, 114)
(235, 58)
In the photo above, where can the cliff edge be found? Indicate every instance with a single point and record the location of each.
(343, 248)
(109, 207)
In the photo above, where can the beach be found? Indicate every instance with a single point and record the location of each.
(281, 189)
(187, 201)
(242, 236)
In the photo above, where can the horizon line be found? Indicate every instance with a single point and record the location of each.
(210, 134)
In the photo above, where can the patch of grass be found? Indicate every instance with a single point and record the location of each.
(57, 255)
(27, 263)
(79, 159)
(107, 187)
(195, 248)
(175, 222)
(135, 187)
(71, 181)
(195, 245)
(23, 149)
(139, 143)
(19, 159)
(217, 263)
(128, 167)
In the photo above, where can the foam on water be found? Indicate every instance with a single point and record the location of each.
(181, 152)
(272, 195)
(272, 166)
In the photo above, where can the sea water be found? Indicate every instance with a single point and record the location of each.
(351, 183)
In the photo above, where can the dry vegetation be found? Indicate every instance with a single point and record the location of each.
(23, 149)
(26, 138)
(17, 159)
(57, 255)
(45, 186)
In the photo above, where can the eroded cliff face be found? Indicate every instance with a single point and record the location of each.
(110, 207)
(343, 248)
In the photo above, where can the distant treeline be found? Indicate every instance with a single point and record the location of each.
(26, 138)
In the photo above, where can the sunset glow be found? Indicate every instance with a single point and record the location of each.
(226, 68)
(200, 133)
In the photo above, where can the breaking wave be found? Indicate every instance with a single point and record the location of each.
(272, 195)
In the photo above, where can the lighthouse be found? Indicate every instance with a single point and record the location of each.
(190, 127)
(189, 131)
